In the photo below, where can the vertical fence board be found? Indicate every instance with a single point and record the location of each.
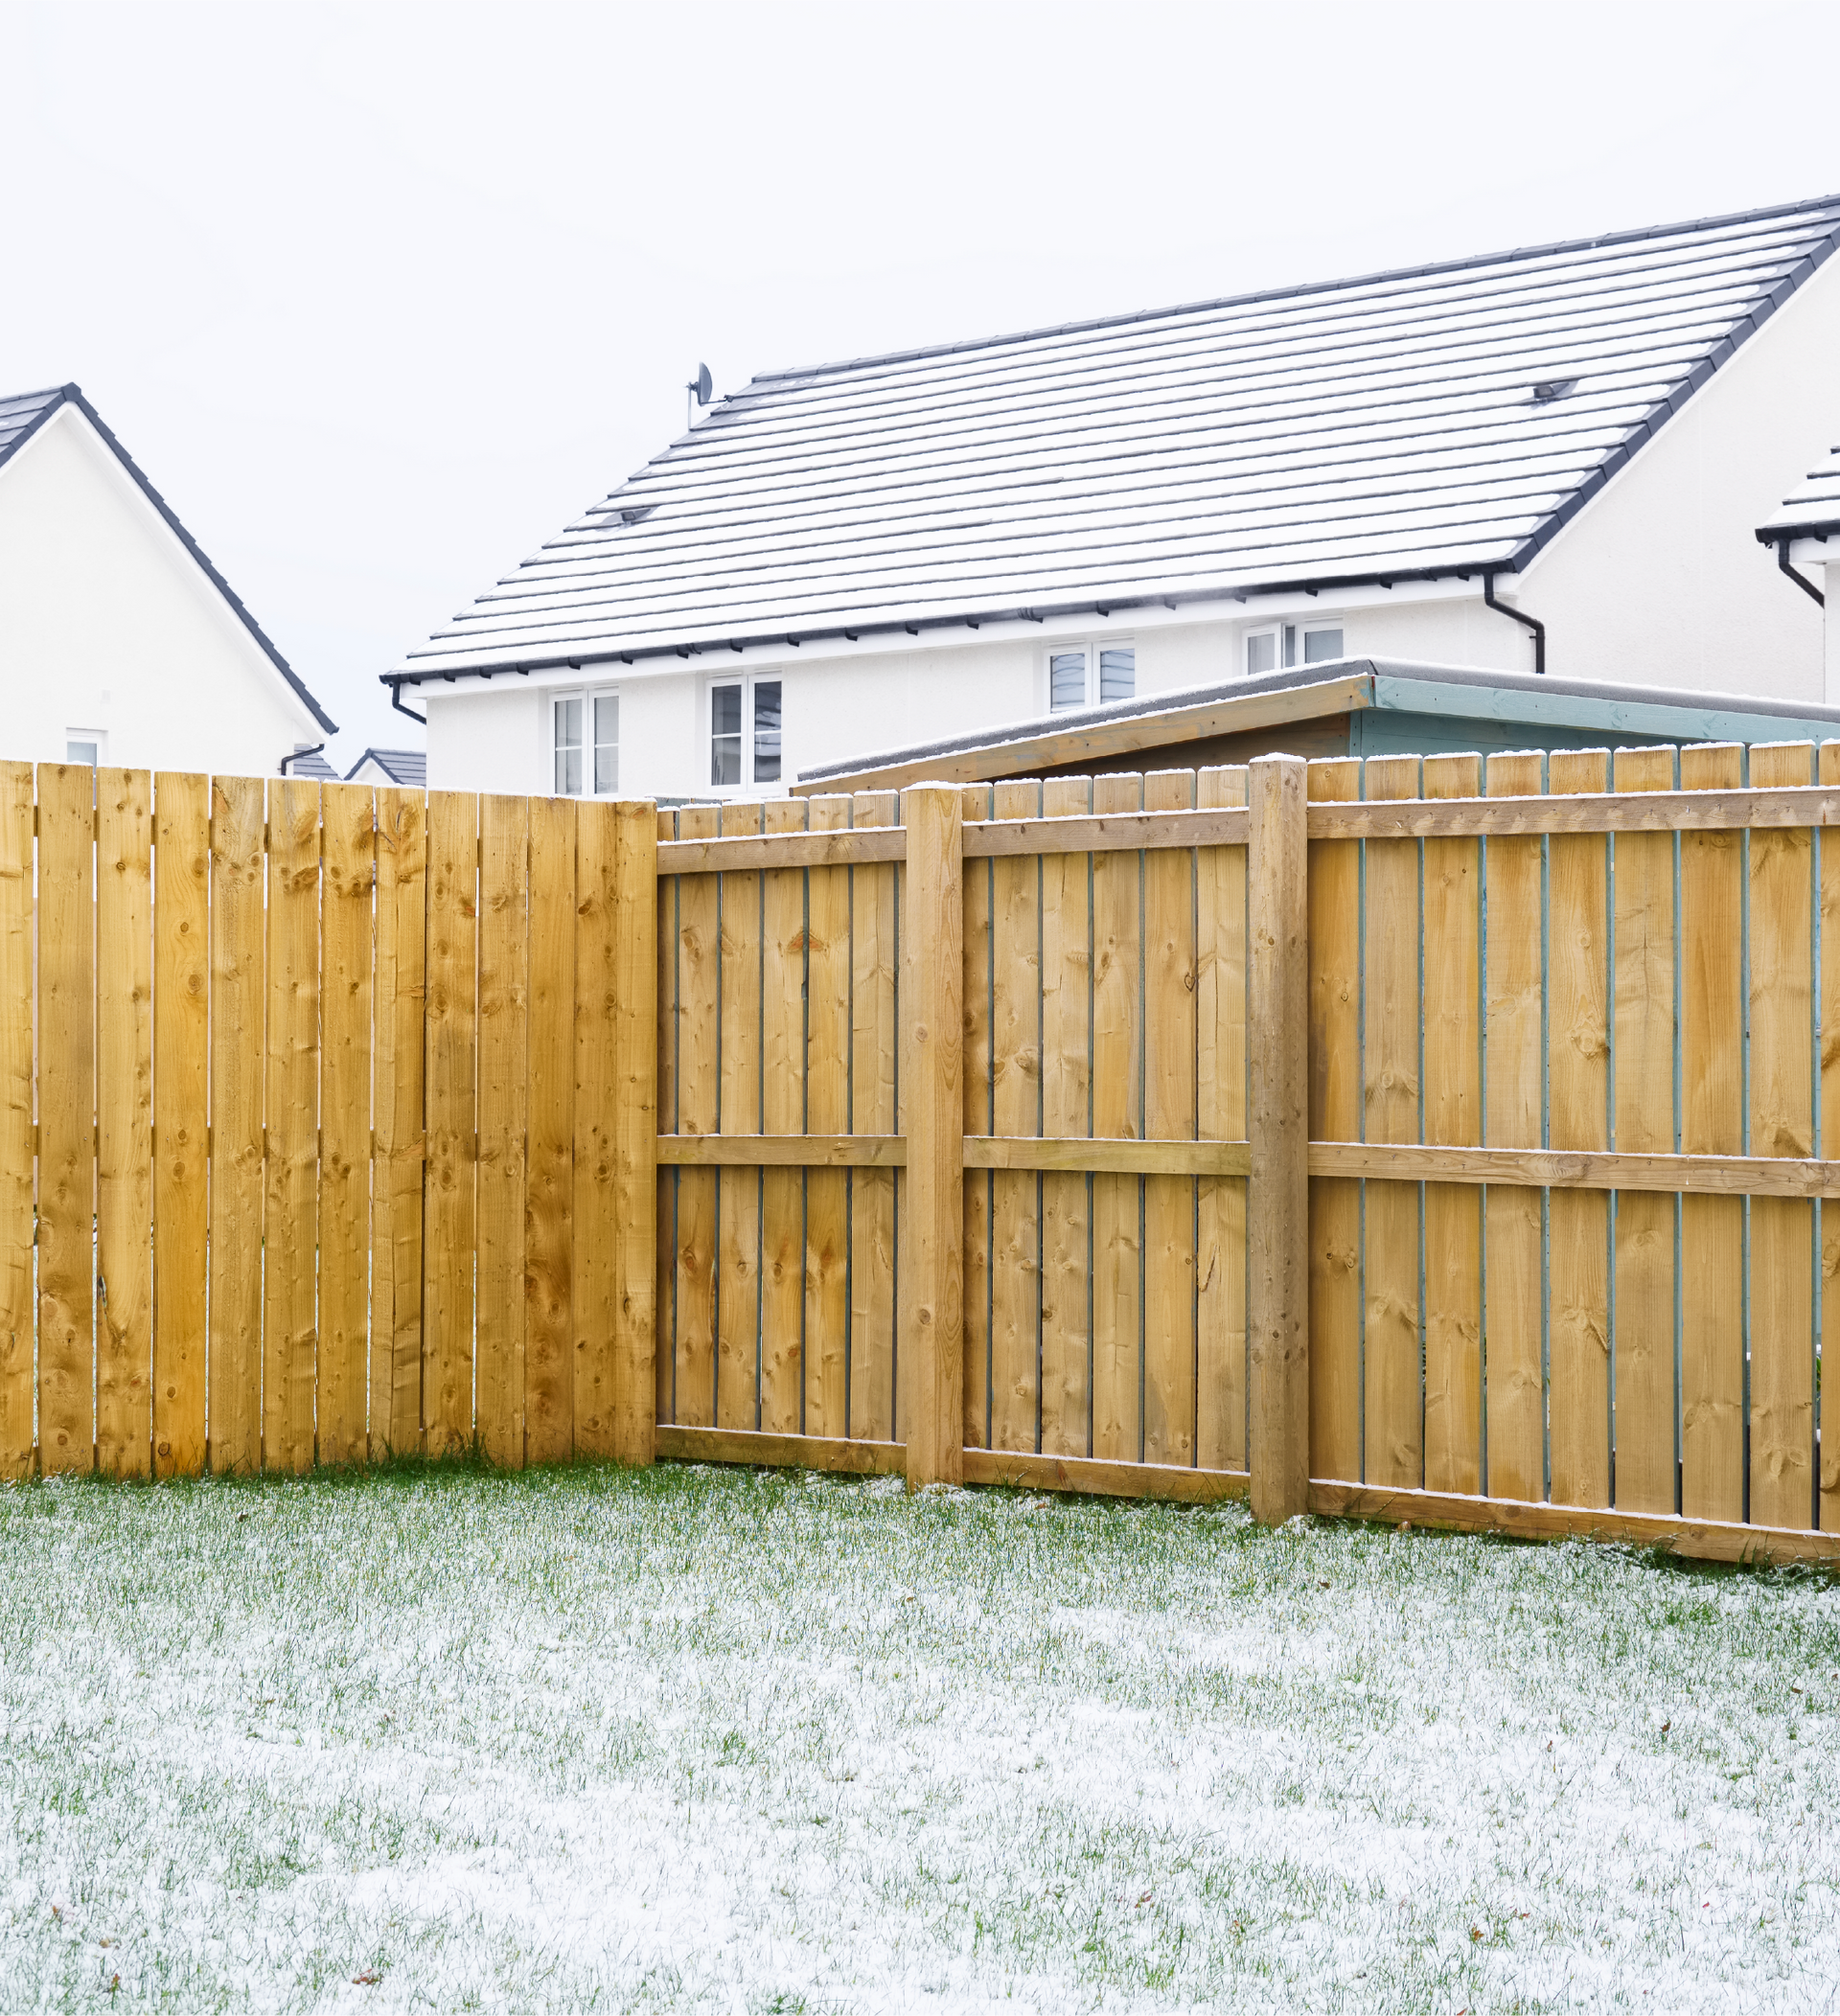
(1118, 1114)
(290, 1228)
(827, 1068)
(874, 959)
(18, 1324)
(397, 1084)
(596, 863)
(1067, 1106)
(1514, 995)
(504, 1053)
(979, 1084)
(124, 1124)
(1829, 1482)
(1644, 1064)
(1015, 1104)
(782, 997)
(549, 1153)
(737, 1369)
(453, 1039)
(1169, 1039)
(700, 1040)
(665, 1261)
(346, 928)
(1395, 1406)
(1577, 1022)
(1335, 1115)
(237, 1054)
(1781, 1124)
(1711, 1122)
(636, 1133)
(1452, 1040)
(1220, 1116)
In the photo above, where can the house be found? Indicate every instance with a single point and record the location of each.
(406, 768)
(1355, 708)
(1804, 536)
(1549, 461)
(120, 643)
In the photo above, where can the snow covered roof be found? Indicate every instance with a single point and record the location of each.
(310, 762)
(408, 767)
(1440, 421)
(22, 415)
(1811, 510)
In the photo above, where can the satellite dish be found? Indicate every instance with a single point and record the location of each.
(701, 385)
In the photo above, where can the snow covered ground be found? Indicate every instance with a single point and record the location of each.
(702, 1740)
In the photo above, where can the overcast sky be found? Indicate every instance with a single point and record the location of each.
(381, 296)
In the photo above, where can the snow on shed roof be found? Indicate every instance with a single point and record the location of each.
(1812, 509)
(1440, 421)
(22, 415)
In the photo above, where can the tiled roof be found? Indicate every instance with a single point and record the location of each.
(1811, 507)
(22, 416)
(1440, 421)
(310, 762)
(408, 767)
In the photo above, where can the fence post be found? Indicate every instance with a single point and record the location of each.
(635, 1130)
(932, 1227)
(1279, 1194)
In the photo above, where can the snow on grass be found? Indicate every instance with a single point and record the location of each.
(715, 1740)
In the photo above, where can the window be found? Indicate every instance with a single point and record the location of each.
(86, 746)
(1089, 675)
(585, 732)
(744, 733)
(1266, 649)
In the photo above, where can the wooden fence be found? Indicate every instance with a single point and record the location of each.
(1440, 1140)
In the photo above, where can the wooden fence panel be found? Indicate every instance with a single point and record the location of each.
(1169, 1056)
(1016, 1108)
(737, 1191)
(66, 1116)
(17, 1321)
(666, 1355)
(398, 1095)
(290, 1226)
(636, 1133)
(1453, 1102)
(1829, 1482)
(698, 933)
(979, 1093)
(450, 1207)
(504, 1120)
(1711, 1122)
(1515, 1462)
(1067, 1111)
(549, 1153)
(347, 936)
(124, 1124)
(1643, 949)
(1781, 891)
(237, 1052)
(1391, 1064)
(596, 1038)
(1118, 1114)
(783, 1097)
(827, 1110)
(1220, 1116)
(1578, 1022)
(1335, 1115)
(875, 956)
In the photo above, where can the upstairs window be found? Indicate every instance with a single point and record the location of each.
(84, 746)
(586, 733)
(1089, 675)
(1266, 650)
(744, 733)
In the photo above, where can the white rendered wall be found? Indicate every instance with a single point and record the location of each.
(1660, 580)
(1832, 686)
(107, 623)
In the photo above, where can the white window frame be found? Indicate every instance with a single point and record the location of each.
(1091, 646)
(558, 696)
(98, 736)
(1288, 643)
(747, 682)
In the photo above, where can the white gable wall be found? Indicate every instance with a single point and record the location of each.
(107, 623)
(1660, 578)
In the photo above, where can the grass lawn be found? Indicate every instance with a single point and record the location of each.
(689, 1739)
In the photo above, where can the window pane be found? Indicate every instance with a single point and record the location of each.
(569, 724)
(765, 731)
(1117, 674)
(568, 773)
(725, 759)
(725, 734)
(1261, 653)
(606, 741)
(724, 710)
(1290, 644)
(1320, 646)
(81, 752)
(1066, 679)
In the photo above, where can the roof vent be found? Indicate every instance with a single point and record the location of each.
(1549, 389)
(634, 514)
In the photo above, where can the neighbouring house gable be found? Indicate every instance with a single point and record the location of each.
(1443, 421)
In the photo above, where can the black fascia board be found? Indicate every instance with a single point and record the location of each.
(73, 394)
(1815, 529)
